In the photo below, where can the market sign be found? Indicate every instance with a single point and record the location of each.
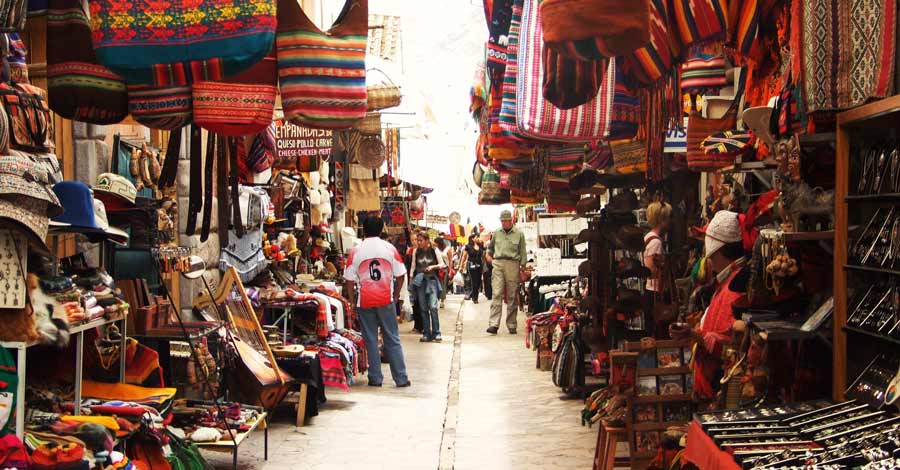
(298, 146)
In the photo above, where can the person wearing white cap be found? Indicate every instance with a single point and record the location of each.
(724, 251)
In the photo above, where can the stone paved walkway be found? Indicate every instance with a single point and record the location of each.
(477, 402)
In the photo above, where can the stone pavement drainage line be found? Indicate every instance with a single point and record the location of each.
(451, 415)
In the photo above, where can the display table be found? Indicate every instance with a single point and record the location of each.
(226, 446)
(704, 453)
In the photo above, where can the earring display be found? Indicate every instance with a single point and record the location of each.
(13, 267)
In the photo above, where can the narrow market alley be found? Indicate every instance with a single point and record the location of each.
(477, 402)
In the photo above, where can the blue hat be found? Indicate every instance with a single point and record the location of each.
(78, 202)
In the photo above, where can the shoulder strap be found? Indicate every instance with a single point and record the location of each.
(235, 195)
(170, 165)
(222, 190)
(195, 202)
(208, 185)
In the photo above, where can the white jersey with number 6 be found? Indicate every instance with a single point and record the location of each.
(373, 265)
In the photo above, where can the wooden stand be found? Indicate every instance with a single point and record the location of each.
(880, 118)
(649, 415)
(608, 439)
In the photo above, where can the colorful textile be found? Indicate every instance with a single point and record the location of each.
(569, 83)
(703, 74)
(652, 62)
(499, 25)
(565, 160)
(333, 374)
(743, 24)
(323, 74)
(626, 109)
(848, 52)
(146, 41)
(239, 105)
(17, 59)
(79, 88)
(697, 21)
(587, 30)
(727, 143)
(166, 108)
(155, 397)
(538, 118)
(506, 117)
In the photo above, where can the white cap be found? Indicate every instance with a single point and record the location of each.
(724, 228)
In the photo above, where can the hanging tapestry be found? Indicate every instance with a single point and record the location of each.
(848, 52)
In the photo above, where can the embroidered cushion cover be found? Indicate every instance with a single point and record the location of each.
(323, 74)
(148, 41)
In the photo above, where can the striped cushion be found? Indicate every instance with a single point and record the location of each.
(703, 74)
(323, 74)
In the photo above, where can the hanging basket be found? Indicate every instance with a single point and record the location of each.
(370, 125)
(383, 95)
(371, 152)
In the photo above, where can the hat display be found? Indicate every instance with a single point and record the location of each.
(115, 235)
(724, 228)
(506, 215)
(757, 120)
(588, 235)
(116, 191)
(588, 204)
(27, 214)
(20, 175)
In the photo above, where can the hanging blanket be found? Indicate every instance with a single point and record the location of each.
(848, 52)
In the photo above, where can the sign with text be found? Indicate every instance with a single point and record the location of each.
(301, 147)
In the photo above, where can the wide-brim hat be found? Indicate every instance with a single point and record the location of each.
(628, 237)
(618, 180)
(28, 216)
(588, 204)
(116, 192)
(623, 203)
(757, 120)
(587, 268)
(19, 175)
(588, 235)
(113, 234)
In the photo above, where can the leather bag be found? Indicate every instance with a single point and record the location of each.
(28, 117)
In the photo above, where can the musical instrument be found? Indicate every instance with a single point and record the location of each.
(257, 379)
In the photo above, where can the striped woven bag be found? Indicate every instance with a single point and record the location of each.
(539, 119)
(506, 118)
(589, 30)
(698, 21)
(650, 63)
(699, 128)
(174, 42)
(78, 87)
(323, 73)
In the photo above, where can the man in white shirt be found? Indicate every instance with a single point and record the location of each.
(374, 277)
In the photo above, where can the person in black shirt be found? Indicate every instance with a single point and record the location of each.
(472, 261)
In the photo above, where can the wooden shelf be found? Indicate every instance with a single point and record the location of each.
(874, 198)
(223, 445)
(661, 398)
(870, 334)
(869, 269)
(748, 166)
(819, 138)
(664, 371)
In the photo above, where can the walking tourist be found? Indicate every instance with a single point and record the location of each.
(374, 276)
(507, 253)
(426, 262)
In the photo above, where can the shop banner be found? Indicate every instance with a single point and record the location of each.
(301, 147)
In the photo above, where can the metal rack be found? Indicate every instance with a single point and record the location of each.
(78, 333)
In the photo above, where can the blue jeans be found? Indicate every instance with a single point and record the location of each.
(386, 317)
(427, 297)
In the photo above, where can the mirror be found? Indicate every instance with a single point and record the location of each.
(194, 268)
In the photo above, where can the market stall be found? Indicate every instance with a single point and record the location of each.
(737, 178)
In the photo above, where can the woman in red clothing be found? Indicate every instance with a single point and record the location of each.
(725, 258)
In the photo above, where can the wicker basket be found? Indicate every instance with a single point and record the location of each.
(370, 125)
(371, 152)
(383, 95)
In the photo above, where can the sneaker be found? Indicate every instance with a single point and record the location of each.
(475, 301)
(425, 339)
(373, 384)
(407, 384)
(437, 339)
(512, 331)
(492, 330)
